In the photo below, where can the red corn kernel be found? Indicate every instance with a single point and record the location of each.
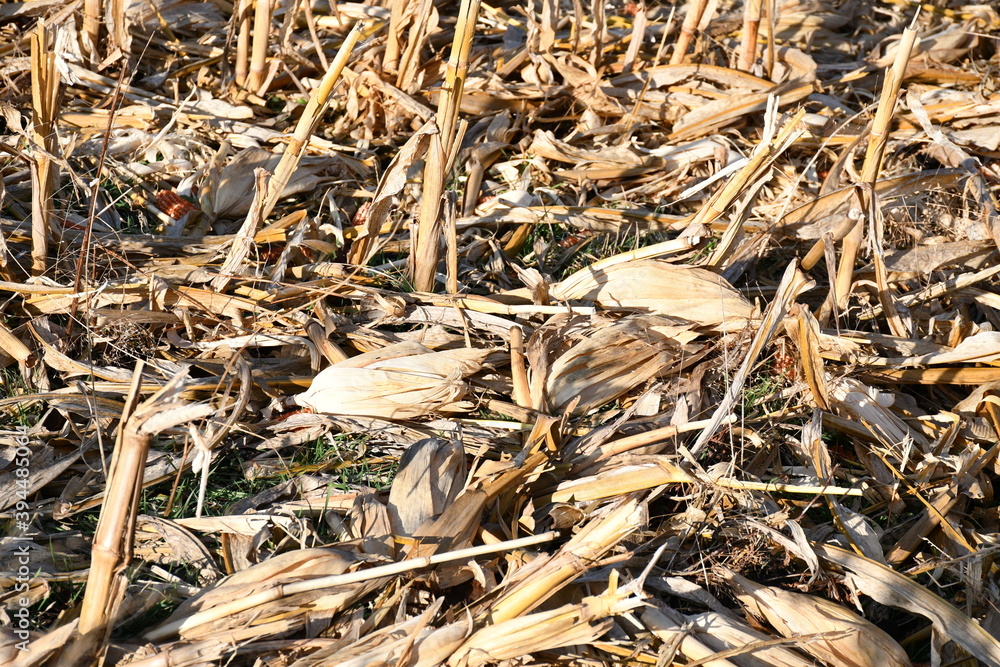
(173, 204)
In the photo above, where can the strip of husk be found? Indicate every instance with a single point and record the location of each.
(366, 243)
(806, 334)
(686, 292)
(243, 241)
(416, 383)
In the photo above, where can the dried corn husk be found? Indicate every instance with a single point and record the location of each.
(570, 624)
(891, 588)
(601, 362)
(233, 195)
(723, 633)
(270, 575)
(851, 640)
(402, 381)
(871, 407)
(687, 292)
(430, 476)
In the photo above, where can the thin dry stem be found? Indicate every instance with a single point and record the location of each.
(318, 103)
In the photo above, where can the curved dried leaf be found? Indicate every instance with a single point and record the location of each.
(397, 387)
(686, 292)
(606, 361)
(852, 641)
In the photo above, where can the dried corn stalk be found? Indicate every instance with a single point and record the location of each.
(570, 624)
(548, 574)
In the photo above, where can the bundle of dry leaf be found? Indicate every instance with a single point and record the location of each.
(523, 333)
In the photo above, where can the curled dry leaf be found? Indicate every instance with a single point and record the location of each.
(846, 639)
(234, 194)
(380, 384)
(269, 576)
(431, 474)
(601, 362)
(724, 633)
(570, 624)
(686, 292)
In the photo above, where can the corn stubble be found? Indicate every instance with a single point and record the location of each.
(702, 370)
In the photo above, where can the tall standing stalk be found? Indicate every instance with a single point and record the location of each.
(751, 28)
(91, 28)
(427, 250)
(315, 108)
(242, 9)
(113, 539)
(873, 157)
(692, 17)
(394, 40)
(44, 171)
(261, 35)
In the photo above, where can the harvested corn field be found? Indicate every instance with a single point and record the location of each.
(535, 332)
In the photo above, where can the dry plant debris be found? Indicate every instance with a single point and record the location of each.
(521, 333)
